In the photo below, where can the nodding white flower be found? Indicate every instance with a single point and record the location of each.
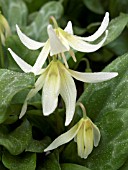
(4, 29)
(85, 133)
(60, 41)
(57, 79)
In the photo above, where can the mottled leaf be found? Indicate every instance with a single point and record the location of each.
(38, 28)
(11, 83)
(52, 162)
(26, 161)
(38, 146)
(15, 11)
(120, 45)
(16, 141)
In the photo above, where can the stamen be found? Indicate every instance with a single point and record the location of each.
(59, 56)
(73, 55)
(64, 59)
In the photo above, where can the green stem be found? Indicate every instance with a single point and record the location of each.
(82, 108)
(88, 69)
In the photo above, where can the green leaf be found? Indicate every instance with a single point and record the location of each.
(117, 6)
(38, 28)
(16, 141)
(94, 6)
(73, 11)
(52, 162)
(15, 11)
(116, 26)
(120, 45)
(69, 166)
(11, 83)
(125, 166)
(26, 161)
(38, 146)
(35, 5)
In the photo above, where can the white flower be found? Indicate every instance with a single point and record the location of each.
(85, 133)
(60, 41)
(57, 79)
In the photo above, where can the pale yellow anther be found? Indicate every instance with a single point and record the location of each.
(65, 60)
(72, 55)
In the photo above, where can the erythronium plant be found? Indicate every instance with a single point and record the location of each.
(85, 133)
(61, 40)
(57, 79)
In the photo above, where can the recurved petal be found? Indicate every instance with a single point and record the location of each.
(38, 85)
(93, 77)
(68, 93)
(41, 59)
(22, 64)
(68, 28)
(64, 138)
(80, 45)
(96, 134)
(51, 90)
(23, 110)
(55, 44)
(100, 31)
(29, 43)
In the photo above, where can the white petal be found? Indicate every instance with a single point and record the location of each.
(29, 43)
(63, 40)
(93, 77)
(88, 140)
(55, 43)
(64, 138)
(96, 134)
(83, 46)
(51, 90)
(100, 31)
(23, 110)
(38, 85)
(22, 64)
(68, 28)
(68, 93)
(41, 59)
(80, 142)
